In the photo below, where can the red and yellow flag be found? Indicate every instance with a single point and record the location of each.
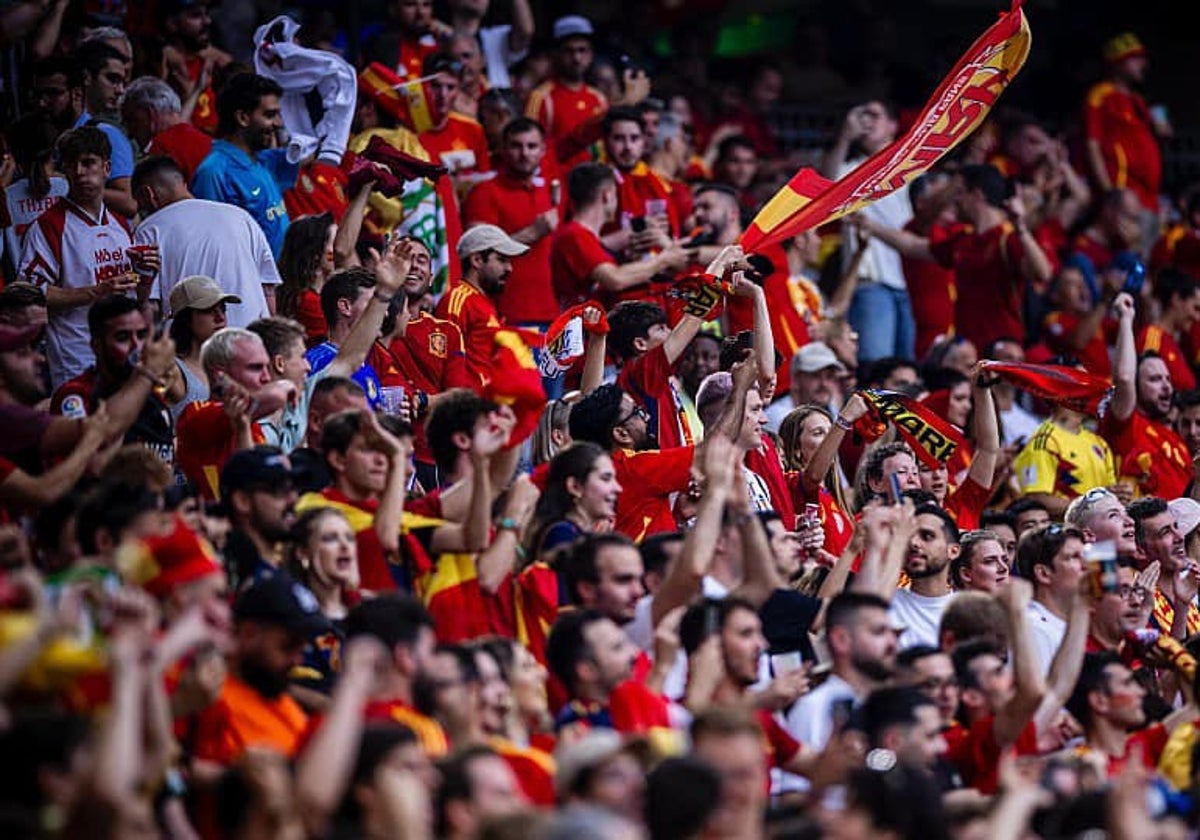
(407, 101)
(1069, 387)
(957, 108)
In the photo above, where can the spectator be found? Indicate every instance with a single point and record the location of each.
(406, 39)
(306, 262)
(1052, 559)
(501, 46)
(455, 140)
(564, 102)
(198, 307)
(153, 115)
(982, 564)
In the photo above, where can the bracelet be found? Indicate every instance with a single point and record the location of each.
(843, 424)
(154, 380)
(508, 524)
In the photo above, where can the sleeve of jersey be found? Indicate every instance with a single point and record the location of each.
(69, 401)
(38, 263)
(456, 374)
(662, 471)
(943, 251)
(967, 502)
(207, 183)
(1093, 115)
(1037, 470)
(636, 709)
(650, 373)
(783, 746)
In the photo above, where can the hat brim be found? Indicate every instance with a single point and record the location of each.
(1187, 514)
(207, 302)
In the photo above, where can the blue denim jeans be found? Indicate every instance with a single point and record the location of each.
(883, 318)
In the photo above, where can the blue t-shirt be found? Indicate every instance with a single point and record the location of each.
(122, 149)
(255, 184)
(320, 356)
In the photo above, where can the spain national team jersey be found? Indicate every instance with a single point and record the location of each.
(648, 380)
(1119, 122)
(1064, 463)
(460, 145)
(965, 503)
(428, 731)
(533, 767)
(642, 191)
(1154, 339)
(1151, 455)
(561, 108)
(67, 248)
(650, 481)
(205, 438)
(476, 317)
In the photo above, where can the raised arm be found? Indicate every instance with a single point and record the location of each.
(987, 432)
(733, 415)
(391, 270)
(823, 459)
(683, 580)
(764, 339)
(760, 576)
(1067, 662)
(1124, 399)
(521, 34)
(617, 278)
(344, 253)
(390, 514)
(906, 242)
(595, 347)
(683, 332)
(1014, 716)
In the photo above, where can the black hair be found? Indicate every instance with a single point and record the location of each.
(681, 794)
(93, 55)
(440, 62)
(393, 618)
(1038, 547)
(910, 656)
(346, 284)
(622, 113)
(903, 800)
(575, 461)
(1171, 283)
(629, 321)
(1187, 399)
(844, 607)
(376, 744)
(328, 384)
(31, 141)
(85, 140)
(153, 167)
(1025, 504)
(242, 92)
(579, 565)
(988, 180)
(949, 527)
(1092, 677)
(737, 141)
(111, 505)
(990, 518)
(585, 181)
(888, 707)
(107, 309)
(964, 653)
(521, 125)
(567, 645)
(595, 416)
(1140, 510)
(301, 256)
(692, 630)
(654, 553)
(182, 332)
(876, 372)
(455, 411)
(278, 333)
(456, 782)
(339, 430)
(55, 65)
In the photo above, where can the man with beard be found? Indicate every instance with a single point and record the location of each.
(187, 54)
(1137, 425)
(244, 167)
(519, 201)
(642, 193)
(564, 102)
(424, 352)
(119, 329)
(258, 491)
(862, 646)
(1187, 420)
(486, 253)
(457, 141)
(273, 620)
(934, 545)
(1159, 538)
(407, 40)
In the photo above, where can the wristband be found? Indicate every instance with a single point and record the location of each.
(843, 423)
(508, 524)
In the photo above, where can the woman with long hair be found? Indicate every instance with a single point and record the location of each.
(324, 557)
(580, 498)
(814, 473)
(305, 262)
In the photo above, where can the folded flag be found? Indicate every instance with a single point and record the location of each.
(957, 108)
(933, 439)
(1069, 387)
(563, 344)
(517, 383)
(408, 102)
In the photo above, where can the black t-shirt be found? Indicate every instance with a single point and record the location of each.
(787, 616)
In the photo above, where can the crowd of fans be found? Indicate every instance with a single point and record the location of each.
(407, 448)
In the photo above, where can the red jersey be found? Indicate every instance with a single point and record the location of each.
(320, 187)
(428, 731)
(574, 254)
(768, 466)
(965, 503)
(648, 380)
(533, 767)
(183, 143)
(308, 313)
(412, 55)
(513, 204)
(561, 108)
(1157, 340)
(1150, 454)
(1151, 741)
(1119, 122)
(990, 284)
(780, 746)
(648, 481)
(644, 192)
(204, 115)
(205, 438)
(1058, 328)
(476, 317)
(431, 359)
(977, 755)
(1100, 253)
(932, 290)
(838, 527)
(460, 145)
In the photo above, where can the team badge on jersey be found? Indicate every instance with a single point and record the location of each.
(437, 344)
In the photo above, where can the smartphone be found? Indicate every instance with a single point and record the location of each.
(896, 493)
(637, 224)
(712, 619)
(785, 663)
(841, 711)
(1101, 560)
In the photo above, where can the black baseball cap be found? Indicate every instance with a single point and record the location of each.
(281, 600)
(260, 466)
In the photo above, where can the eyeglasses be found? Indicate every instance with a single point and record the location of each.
(1135, 593)
(638, 411)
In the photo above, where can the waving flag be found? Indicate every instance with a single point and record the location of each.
(956, 109)
(408, 102)
(516, 383)
(933, 439)
(1069, 387)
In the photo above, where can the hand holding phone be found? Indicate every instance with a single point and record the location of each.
(896, 493)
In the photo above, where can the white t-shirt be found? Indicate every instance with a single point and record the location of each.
(497, 55)
(23, 209)
(1017, 424)
(881, 263)
(68, 249)
(919, 615)
(1047, 631)
(810, 722)
(216, 240)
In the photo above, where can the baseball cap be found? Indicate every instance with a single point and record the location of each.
(260, 466)
(198, 292)
(1123, 46)
(572, 26)
(815, 356)
(1187, 514)
(13, 337)
(281, 600)
(596, 746)
(489, 238)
